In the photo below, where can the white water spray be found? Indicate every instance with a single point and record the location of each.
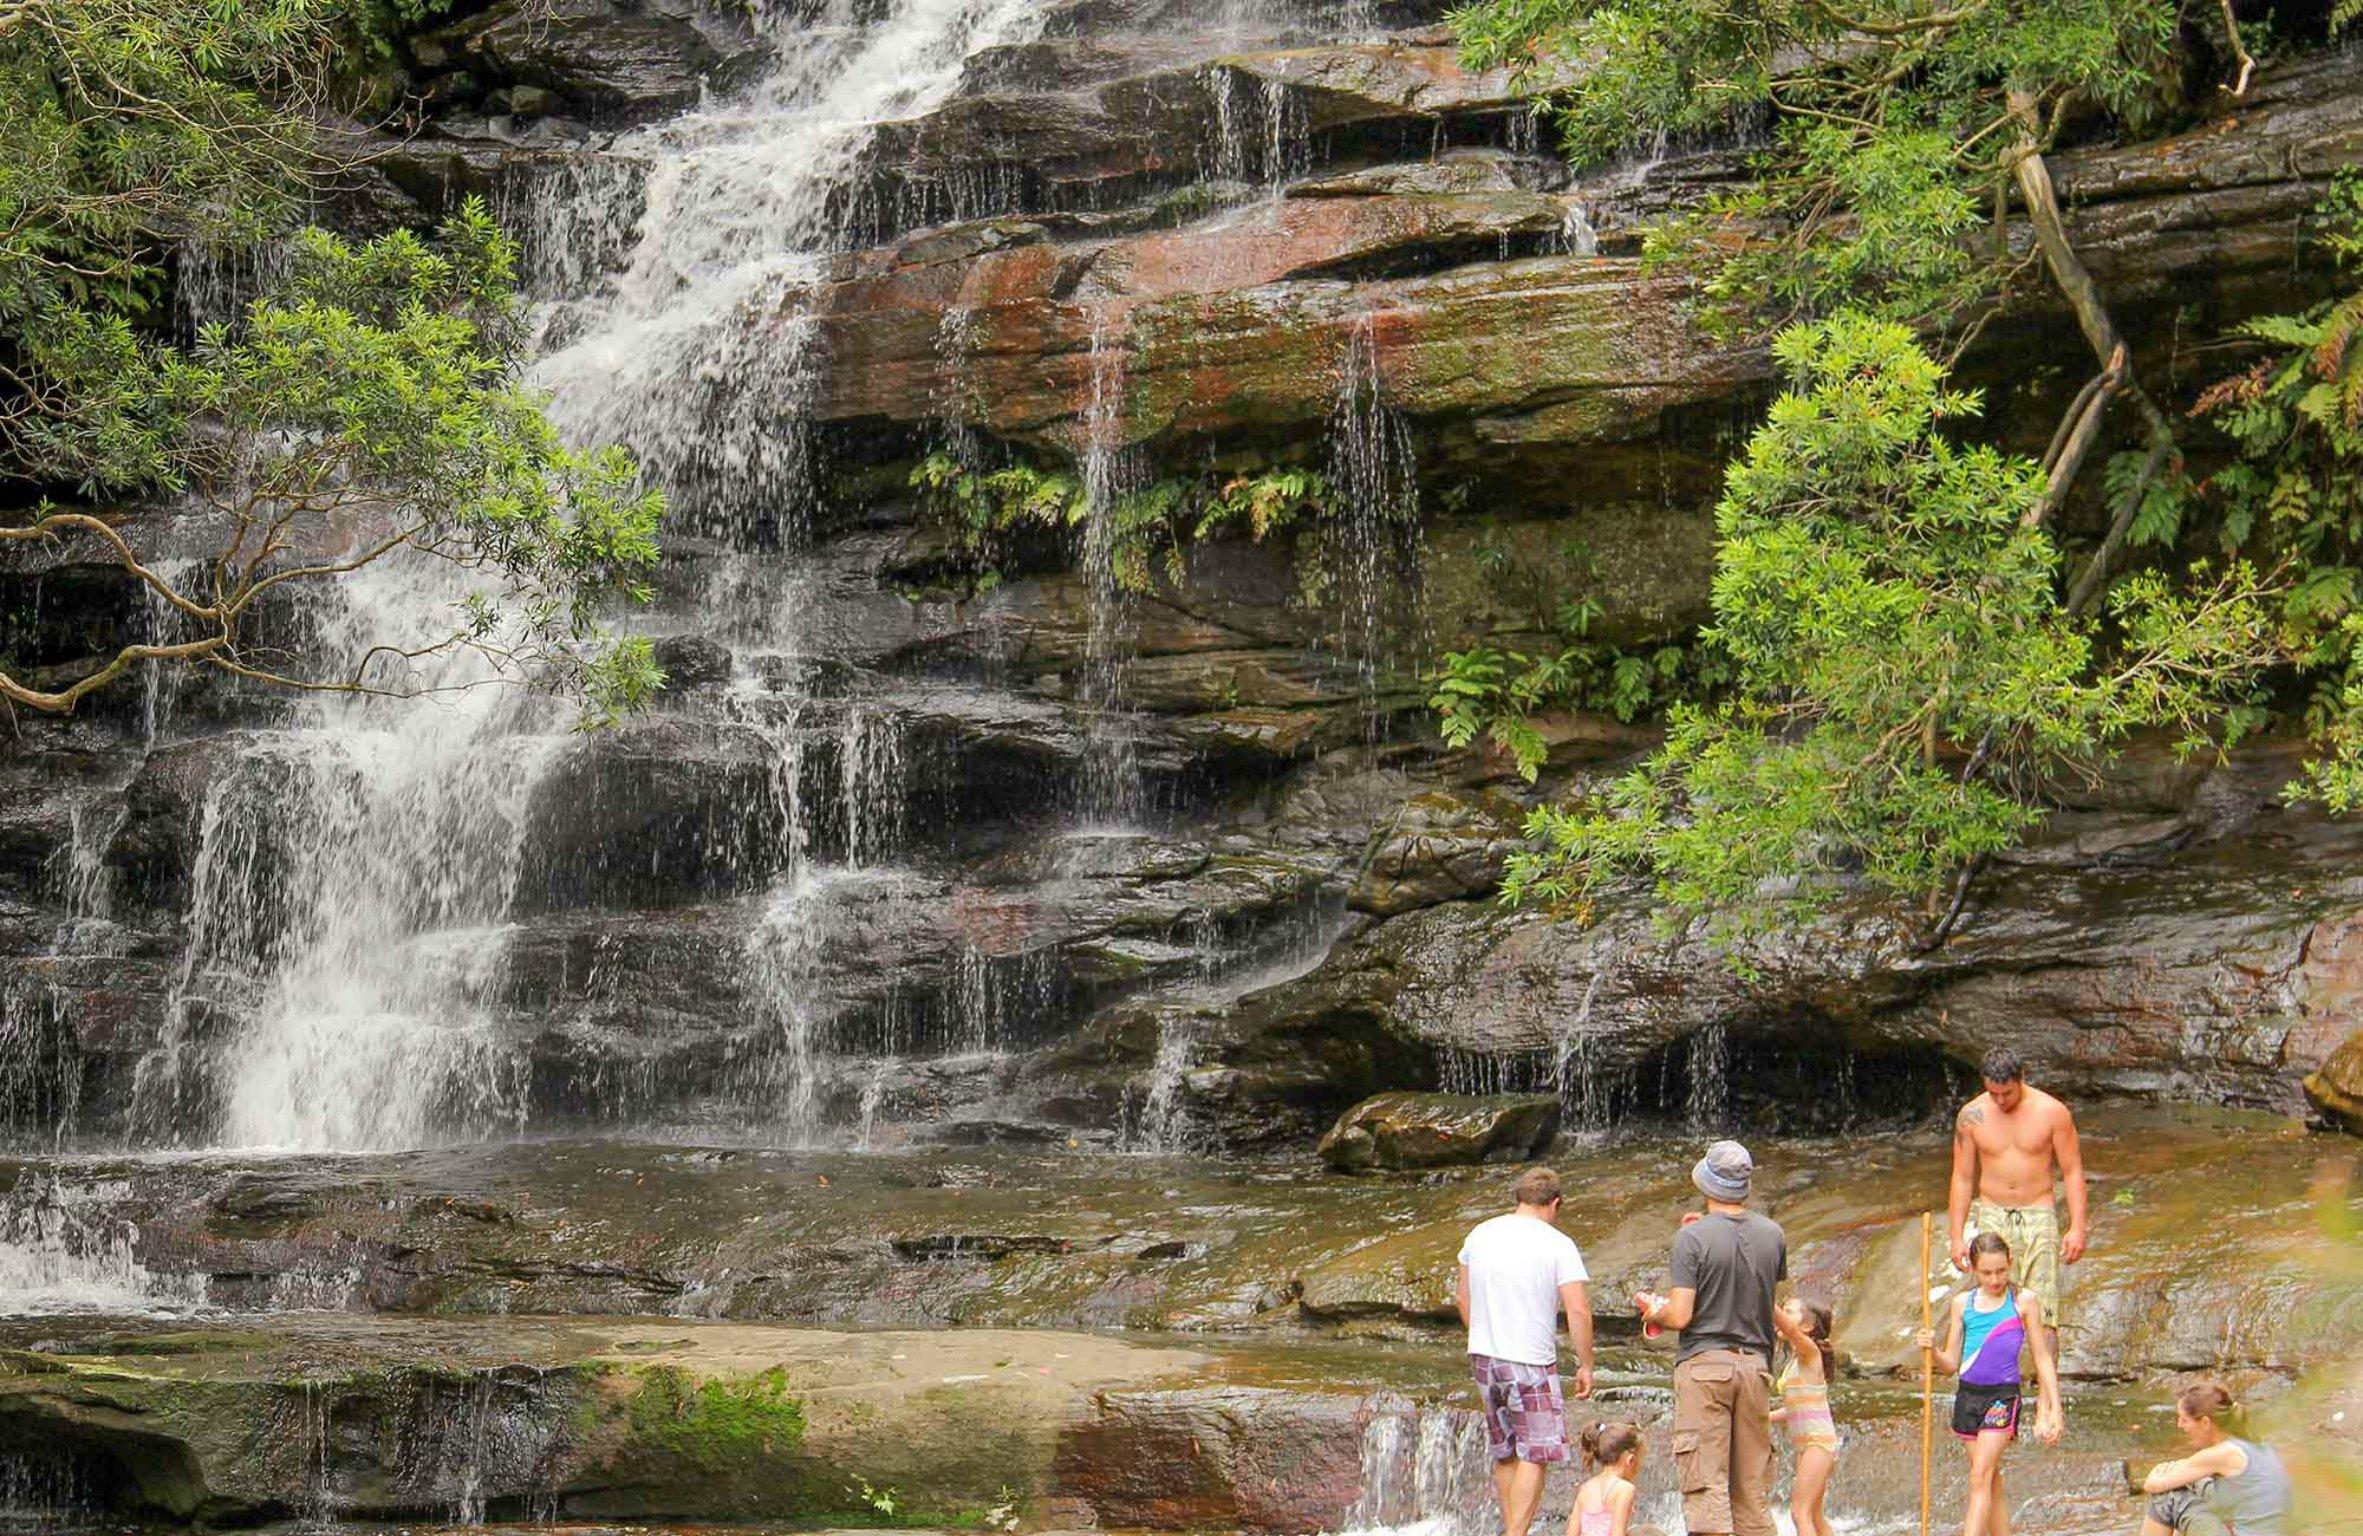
(697, 354)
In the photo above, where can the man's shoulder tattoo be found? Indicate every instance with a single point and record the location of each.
(1973, 1114)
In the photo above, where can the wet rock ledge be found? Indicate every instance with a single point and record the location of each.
(359, 1419)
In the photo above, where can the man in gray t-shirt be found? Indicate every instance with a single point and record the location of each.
(1726, 1266)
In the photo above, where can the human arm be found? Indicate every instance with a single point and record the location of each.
(1964, 1185)
(1672, 1310)
(2220, 1460)
(1460, 1295)
(2069, 1150)
(1800, 1342)
(1675, 1309)
(1576, 1298)
(2050, 1418)
(1948, 1354)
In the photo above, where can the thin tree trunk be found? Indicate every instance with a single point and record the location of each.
(2068, 272)
(2072, 443)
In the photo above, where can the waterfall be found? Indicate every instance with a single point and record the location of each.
(1260, 135)
(1111, 772)
(85, 883)
(40, 1065)
(1424, 1470)
(955, 339)
(321, 1505)
(696, 354)
(1707, 1105)
(1576, 1068)
(352, 877)
(1577, 237)
(64, 1250)
(1164, 1119)
(1371, 537)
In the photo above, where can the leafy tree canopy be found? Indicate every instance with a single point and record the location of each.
(367, 407)
(1904, 666)
(1912, 662)
(1892, 124)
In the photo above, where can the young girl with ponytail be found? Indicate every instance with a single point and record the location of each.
(1805, 1409)
(1604, 1504)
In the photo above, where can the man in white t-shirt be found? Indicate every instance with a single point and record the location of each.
(1517, 1274)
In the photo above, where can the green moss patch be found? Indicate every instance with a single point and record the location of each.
(719, 1423)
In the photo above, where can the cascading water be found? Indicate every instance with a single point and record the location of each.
(955, 338)
(1424, 1470)
(1260, 137)
(695, 354)
(1707, 1106)
(1164, 1120)
(1576, 1066)
(65, 1248)
(1372, 535)
(85, 882)
(1111, 770)
(352, 877)
(40, 1069)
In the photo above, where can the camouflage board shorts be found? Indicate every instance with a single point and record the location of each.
(2032, 1231)
(1525, 1413)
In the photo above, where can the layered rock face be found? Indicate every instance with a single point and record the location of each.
(906, 852)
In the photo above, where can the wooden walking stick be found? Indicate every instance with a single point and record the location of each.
(1927, 1366)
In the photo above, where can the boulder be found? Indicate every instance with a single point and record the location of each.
(608, 60)
(1439, 847)
(2336, 1088)
(1437, 1130)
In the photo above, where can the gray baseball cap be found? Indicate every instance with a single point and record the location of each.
(1725, 1173)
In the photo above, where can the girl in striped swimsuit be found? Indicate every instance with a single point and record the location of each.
(1805, 1409)
(1986, 1329)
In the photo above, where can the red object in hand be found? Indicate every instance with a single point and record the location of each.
(1648, 1302)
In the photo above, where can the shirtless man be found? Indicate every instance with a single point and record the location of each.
(2006, 1143)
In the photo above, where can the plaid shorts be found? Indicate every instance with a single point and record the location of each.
(1525, 1414)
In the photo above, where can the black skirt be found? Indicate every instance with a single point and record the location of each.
(1983, 1410)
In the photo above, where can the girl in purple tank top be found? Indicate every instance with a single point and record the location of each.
(1987, 1328)
(1604, 1504)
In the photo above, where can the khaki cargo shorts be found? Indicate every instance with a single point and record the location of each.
(2032, 1231)
(1723, 1443)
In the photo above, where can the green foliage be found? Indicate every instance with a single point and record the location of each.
(376, 26)
(130, 124)
(881, 1501)
(1892, 124)
(719, 1423)
(368, 407)
(1495, 694)
(1149, 529)
(2293, 494)
(1905, 675)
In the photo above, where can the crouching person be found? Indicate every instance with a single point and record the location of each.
(2226, 1486)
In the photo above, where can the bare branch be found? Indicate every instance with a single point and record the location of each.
(62, 701)
(2239, 50)
(48, 527)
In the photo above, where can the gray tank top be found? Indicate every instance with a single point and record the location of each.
(2257, 1502)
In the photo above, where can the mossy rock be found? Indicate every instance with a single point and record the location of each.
(2337, 1088)
(1438, 1130)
